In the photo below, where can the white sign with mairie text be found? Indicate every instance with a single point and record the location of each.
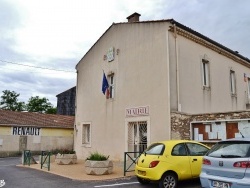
(137, 111)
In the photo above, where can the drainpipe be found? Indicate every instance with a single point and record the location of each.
(177, 70)
(168, 84)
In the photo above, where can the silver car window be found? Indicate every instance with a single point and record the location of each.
(230, 149)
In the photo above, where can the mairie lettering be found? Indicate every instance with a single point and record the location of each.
(140, 111)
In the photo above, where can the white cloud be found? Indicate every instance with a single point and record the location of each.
(57, 33)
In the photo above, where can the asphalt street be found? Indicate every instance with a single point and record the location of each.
(12, 176)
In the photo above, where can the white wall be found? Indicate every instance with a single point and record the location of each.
(193, 98)
(141, 77)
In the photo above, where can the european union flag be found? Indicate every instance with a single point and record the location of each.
(105, 84)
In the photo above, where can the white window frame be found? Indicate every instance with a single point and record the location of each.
(205, 73)
(86, 134)
(232, 83)
(111, 78)
(248, 86)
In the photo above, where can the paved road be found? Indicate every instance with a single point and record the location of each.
(19, 177)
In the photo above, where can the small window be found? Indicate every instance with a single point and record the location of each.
(86, 134)
(248, 83)
(179, 150)
(205, 73)
(155, 149)
(232, 82)
(196, 149)
(111, 86)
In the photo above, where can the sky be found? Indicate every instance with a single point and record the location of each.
(42, 41)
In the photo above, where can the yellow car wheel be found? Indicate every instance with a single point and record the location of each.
(168, 180)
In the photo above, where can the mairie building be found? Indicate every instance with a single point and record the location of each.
(146, 81)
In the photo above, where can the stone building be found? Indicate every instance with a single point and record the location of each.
(66, 102)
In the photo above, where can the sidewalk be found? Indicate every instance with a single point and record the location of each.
(77, 172)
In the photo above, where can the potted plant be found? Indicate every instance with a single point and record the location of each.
(65, 157)
(98, 164)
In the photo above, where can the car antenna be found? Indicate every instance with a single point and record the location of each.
(242, 135)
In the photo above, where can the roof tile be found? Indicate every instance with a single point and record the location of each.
(8, 118)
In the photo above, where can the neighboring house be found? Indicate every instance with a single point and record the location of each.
(66, 102)
(34, 131)
(165, 81)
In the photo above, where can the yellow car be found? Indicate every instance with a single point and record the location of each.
(170, 161)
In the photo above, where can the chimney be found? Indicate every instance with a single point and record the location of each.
(134, 17)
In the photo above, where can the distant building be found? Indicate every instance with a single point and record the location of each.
(34, 131)
(66, 102)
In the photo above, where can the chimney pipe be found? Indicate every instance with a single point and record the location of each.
(134, 17)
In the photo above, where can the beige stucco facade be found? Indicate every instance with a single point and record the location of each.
(156, 70)
(217, 98)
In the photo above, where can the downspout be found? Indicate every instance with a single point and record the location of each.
(177, 70)
(168, 84)
(75, 123)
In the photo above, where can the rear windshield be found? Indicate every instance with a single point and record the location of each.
(155, 149)
(230, 149)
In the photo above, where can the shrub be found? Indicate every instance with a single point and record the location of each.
(96, 156)
(63, 151)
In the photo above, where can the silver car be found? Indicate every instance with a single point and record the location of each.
(227, 165)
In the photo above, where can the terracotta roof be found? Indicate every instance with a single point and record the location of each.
(9, 118)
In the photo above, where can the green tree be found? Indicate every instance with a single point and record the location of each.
(51, 111)
(42, 105)
(9, 101)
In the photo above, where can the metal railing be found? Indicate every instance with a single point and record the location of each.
(130, 159)
(45, 159)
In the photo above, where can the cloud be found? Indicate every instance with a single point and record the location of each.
(57, 34)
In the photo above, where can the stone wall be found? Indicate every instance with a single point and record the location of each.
(180, 122)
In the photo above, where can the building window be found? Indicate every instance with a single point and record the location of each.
(86, 134)
(111, 86)
(232, 82)
(248, 83)
(205, 73)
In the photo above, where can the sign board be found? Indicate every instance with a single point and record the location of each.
(111, 54)
(137, 111)
(32, 131)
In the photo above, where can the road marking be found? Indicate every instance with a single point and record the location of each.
(9, 165)
(117, 184)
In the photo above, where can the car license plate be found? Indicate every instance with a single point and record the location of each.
(219, 184)
(143, 173)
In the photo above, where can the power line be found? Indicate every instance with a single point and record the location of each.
(30, 71)
(37, 67)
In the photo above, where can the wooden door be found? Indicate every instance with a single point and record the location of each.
(231, 129)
